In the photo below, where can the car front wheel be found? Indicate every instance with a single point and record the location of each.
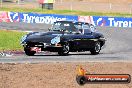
(96, 49)
(65, 50)
(29, 52)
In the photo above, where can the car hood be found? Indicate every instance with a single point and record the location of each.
(45, 37)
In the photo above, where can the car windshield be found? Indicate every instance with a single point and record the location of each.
(78, 26)
(64, 26)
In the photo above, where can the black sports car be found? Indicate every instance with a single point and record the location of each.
(64, 37)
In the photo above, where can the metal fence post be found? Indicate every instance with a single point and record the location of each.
(18, 2)
(110, 6)
(1, 3)
(61, 1)
(71, 5)
(131, 8)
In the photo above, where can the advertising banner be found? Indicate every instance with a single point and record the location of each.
(14, 16)
(39, 18)
(112, 21)
(51, 18)
(41, 1)
(4, 17)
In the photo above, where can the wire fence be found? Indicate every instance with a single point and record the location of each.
(80, 5)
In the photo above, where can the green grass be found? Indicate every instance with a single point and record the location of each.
(39, 10)
(10, 40)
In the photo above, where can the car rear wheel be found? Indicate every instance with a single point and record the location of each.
(29, 52)
(96, 49)
(65, 50)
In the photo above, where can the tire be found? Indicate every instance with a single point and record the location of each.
(81, 80)
(29, 52)
(96, 49)
(65, 50)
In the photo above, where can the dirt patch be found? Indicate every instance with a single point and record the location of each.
(57, 75)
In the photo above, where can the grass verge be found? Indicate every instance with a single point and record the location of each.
(10, 40)
(67, 12)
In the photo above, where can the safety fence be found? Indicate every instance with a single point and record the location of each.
(51, 18)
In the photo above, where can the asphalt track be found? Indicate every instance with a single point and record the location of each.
(118, 47)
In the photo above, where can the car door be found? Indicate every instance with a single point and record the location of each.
(87, 38)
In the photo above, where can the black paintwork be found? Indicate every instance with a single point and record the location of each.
(78, 38)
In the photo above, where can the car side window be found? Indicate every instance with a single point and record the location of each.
(85, 26)
(86, 29)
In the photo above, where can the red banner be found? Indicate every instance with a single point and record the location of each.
(4, 17)
(88, 19)
(41, 1)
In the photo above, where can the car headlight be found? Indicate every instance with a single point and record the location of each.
(55, 40)
(23, 38)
